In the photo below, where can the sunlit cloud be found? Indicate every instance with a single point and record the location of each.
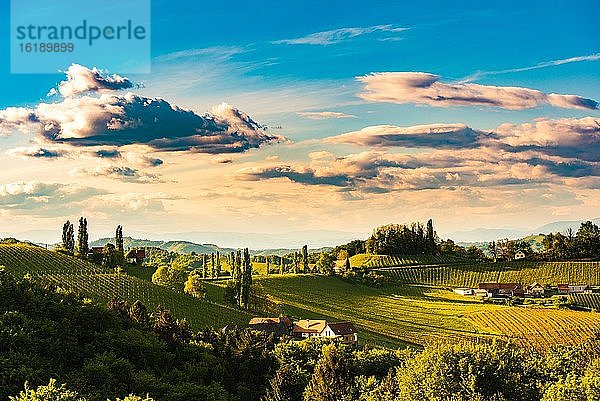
(324, 115)
(425, 88)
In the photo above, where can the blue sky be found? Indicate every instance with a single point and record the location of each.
(295, 67)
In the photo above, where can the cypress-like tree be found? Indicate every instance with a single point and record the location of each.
(119, 239)
(204, 266)
(212, 265)
(347, 263)
(218, 265)
(268, 264)
(430, 237)
(246, 280)
(305, 258)
(68, 237)
(82, 238)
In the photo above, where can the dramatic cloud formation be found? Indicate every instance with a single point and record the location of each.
(81, 79)
(110, 119)
(444, 136)
(338, 35)
(323, 115)
(567, 137)
(425, 88)
(546, 151)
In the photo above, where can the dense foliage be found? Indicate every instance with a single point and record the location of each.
(584, 244)
(100, 354)
(396, 239)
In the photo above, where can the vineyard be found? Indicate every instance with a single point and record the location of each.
(102, 285)
(587, 301)
(470, 275)
(365, 260)
(537, 327)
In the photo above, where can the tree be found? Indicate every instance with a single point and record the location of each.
(194, 285)
(347, 264)
(288, 384)
(246, 281)
(305, 258)
(430, 237)
(332, 377)
(68, 238)
(170, 276)
(109, 256)
(218, 265)
(326, 263)
(204, 266)
(587, 240)
(82, 238)
(268, 265)
(47, 393)
(139, 314)
(119, 245)
(212, 265)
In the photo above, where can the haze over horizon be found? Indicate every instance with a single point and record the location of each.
(339, 119)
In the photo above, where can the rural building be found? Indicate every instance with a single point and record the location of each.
(535, 290)
(464, 291)
(520, 255)
(503, 289)
(579, 289)
(306, 328)
(279, 326)
(563, 288)
(344, 331)
(135, 256)
(481, 293)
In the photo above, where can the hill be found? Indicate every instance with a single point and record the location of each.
(398, 315)
(189, 247)
(171, 246)
(103, 285)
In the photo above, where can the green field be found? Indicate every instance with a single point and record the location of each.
(103, 285)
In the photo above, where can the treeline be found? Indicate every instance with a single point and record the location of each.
(584, 244)
(105, 354)
(112, 255)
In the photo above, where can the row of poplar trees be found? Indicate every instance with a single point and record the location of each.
(241, 275)
(112, 255)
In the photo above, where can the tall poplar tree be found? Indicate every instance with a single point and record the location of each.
(68, 237)
(305, 258)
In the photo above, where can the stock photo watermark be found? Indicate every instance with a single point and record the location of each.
(48, 37)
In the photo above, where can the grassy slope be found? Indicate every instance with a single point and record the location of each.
(365, 260)
(390, 316)
(102, 285)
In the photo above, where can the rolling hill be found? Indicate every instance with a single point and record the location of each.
(102, 285)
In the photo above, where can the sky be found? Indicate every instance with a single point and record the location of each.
(315, 117)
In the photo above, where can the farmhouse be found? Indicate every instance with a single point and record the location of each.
(535, 290)
(306, 328)
(135, 256)
(520, 255)
(503, 289)
(481, 293)
(279, 326)
(563, 288)
(579, 289)
(344, 331)
(464, 291)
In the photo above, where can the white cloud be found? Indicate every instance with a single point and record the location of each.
(323, 115)
(339, 35)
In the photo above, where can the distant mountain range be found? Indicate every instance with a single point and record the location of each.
(490, 234)
(189, 247)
